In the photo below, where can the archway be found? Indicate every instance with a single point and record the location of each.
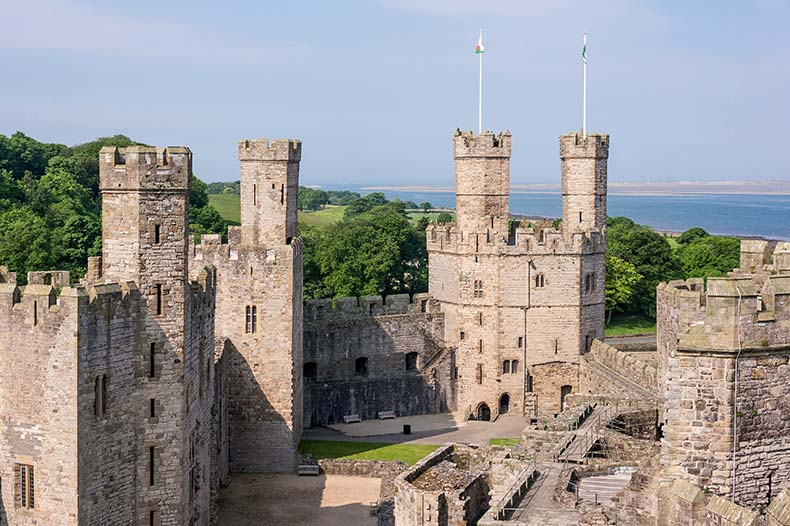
(565, 390)
(504, 404)
(483, 413)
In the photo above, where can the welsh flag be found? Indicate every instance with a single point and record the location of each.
(479, 49)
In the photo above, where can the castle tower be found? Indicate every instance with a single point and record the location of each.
(482, 182)
(269, 187)
(145, 198)
(583, 182)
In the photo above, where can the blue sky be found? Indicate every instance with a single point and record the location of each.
(688, 90)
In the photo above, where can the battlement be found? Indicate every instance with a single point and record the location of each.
(762, 256)
(136, 168)
(487, 144)
(447, 237)
(341, 308)
(593, 146)
(265, 150)
(6, 276)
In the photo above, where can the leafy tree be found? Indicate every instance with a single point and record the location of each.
(444, 217)
(691, 235)
(709, 256)
(649, 253)
(312, 198)
(342, 197)
(425, 206)
(621, 280)
(365, 203)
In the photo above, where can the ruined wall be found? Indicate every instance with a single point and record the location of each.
(406, 368)
(641, 377)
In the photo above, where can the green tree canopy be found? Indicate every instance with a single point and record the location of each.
(710, 256)
(691, 235)
(312, 198)
(621, 281)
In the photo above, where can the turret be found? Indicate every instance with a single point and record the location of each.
(269, 188)
(482, 182)
(584, 161)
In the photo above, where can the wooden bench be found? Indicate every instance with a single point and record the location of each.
(384, 415)
(308, 469)
(350, 419)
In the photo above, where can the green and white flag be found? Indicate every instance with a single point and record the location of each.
(584, 49)
(479, 50)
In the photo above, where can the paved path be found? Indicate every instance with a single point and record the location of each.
(426, 429)
(632, 340)
(538, 507)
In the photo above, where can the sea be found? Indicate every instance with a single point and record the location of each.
(766, 216)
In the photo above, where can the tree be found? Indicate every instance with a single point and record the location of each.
(691, 235)
(444, 217)
(649, 253)
(425, 206)
(621, 280)
(311, 198)
(364, 204)
(710, 256)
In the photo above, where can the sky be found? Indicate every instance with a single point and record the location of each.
(687, 89)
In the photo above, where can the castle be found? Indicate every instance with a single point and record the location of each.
(130, 397)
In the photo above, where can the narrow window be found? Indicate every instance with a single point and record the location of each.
(151, 457)
(480, 318)
(35, 313)
(556, 345)
(248, 322)
(152, 409)
(479, 345)
(514, 366)
(27, 486)
(152, 361)
(151, 518)
(99, 394)
(254, 194)
(157, 233)
(540, 281)
(310, 371)
(478, 289)
(580, 217)
(282, 194)
(104, 394)
(529, 383)
(463, 335)
(492, 221)
(411, 361)
(159, 300)
(361, 366)
(521, 341)
(479, 373)
(254, 319)
(506, 367)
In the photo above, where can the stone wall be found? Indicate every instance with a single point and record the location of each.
(406, 369)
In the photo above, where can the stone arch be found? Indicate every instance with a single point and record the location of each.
(483, 412)
(504, 404)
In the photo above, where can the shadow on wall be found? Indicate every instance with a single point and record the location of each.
(260, 440)
(3, 517)
(366, 365)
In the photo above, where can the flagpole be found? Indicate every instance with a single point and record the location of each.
(584, 96)
(480, 94)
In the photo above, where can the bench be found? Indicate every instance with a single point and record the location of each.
(350, 419)
(384, 415)
(308, 469)
(374, 508)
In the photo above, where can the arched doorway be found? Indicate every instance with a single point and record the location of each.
(565, 390)
(504, 404)
(483, 413)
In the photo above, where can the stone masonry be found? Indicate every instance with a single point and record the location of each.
(516, 293)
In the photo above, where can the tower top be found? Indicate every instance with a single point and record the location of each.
(275, 150)
(144, 168)
(487, 144)
(576, 146)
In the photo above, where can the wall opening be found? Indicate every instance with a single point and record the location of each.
(540, 281)
(152, 408)
(411, 361)
(151, 459)
(483, 413)
(158, 299)
(26, 486)
(361, 366)
(310, 371)
(506, 367)
(504, 404)
(152, 361)
(35, 313)
(565, 390)
(514, 366)
(157, 233)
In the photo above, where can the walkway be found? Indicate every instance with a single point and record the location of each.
(426, 429)
(538, 507)
(586, 436)
(602, 488)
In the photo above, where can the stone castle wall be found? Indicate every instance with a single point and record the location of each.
(728, 345)
(407, 368)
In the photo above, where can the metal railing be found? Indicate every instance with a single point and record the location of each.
(523, 482)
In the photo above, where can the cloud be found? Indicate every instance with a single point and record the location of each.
(66, 26)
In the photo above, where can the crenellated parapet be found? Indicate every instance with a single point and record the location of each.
(766, 257)
(366, 306)
(448, 238)
(137, 168)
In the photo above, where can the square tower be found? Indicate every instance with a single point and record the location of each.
(584, 160)
(269, 190)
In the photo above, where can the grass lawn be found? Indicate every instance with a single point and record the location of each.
(227, 205)
(629, 324)
(505, 441)
(329, 215)
(408, 453)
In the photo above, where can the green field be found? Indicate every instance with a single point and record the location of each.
(330, 215)
(629, 324)
(408, 453)
(227, 205)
